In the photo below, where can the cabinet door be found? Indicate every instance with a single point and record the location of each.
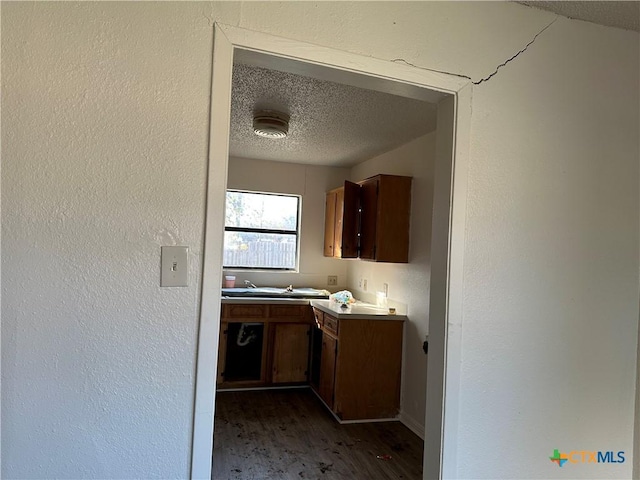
(290, 353)
(222, 351)
(328, 369)
(369, 368)
(349, 243)
(341, 221)
(337, 228)
(329, 224)
(393, 220)
(368, 218)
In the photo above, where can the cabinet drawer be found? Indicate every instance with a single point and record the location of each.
(296, 312)
(319, 316)
(245, 311)
(331, 324)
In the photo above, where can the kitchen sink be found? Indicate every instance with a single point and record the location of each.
(275, 292)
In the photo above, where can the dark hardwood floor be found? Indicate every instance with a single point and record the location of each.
(288, 434)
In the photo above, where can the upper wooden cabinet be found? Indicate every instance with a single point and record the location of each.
(341, 221)
(369, 219)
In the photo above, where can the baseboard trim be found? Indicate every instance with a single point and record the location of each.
(412, 424)
(256, 389)
(346, 422)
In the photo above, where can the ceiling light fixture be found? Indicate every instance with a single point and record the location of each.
(271, 124)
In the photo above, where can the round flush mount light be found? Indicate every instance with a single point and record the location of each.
(271, 124)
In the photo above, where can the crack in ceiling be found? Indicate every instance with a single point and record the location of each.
(625, 15)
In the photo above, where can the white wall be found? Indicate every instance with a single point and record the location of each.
(551, 263)
(408, 283)
(311, 182)
(104, 147)
(104, 141)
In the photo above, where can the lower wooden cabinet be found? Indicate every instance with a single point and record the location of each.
(360, 365)
(353, 364)
(263, 344)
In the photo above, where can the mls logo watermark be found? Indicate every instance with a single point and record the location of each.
(587, 456)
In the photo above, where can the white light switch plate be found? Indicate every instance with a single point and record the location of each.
(175, 267)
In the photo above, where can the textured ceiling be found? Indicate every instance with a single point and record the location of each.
(342, 125)
(612, 14)
(331, 124)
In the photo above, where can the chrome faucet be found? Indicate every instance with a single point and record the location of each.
(248, 284)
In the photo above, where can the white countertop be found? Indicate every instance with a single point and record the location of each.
(359, 310)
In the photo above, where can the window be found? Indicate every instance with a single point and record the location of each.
(261, 231)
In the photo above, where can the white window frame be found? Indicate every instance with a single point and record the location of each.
(297, 232)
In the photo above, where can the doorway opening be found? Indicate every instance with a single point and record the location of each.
(232, 44)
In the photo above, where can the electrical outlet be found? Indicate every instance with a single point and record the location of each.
(332, 280)
(360, 283)
(385, 289)
(364, 284)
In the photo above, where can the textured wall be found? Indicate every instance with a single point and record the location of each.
(104, 147)
(551, 261)
(104, 140)
(408, 283)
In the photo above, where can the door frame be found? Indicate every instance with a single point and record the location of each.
(453, 94)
